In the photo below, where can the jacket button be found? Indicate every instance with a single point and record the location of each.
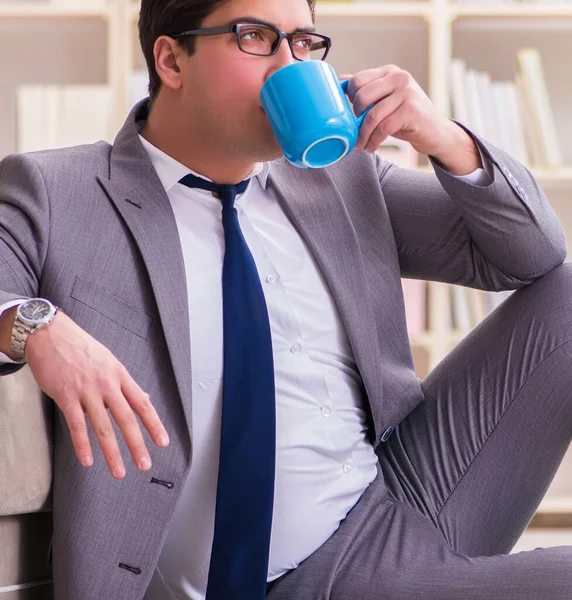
(387, 434)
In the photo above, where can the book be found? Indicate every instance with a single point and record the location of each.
(509, 120)
(460, 310)
(85, 114)
(514, 115)
(486, 108)
(459, 103)
(55, 116)
(414, 295)
(474, 103)
(477, 305)
(537, 97)
(529, 130)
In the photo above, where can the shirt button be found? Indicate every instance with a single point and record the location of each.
(325, 411)
(347, 468)
(271, 279)
(295, 349)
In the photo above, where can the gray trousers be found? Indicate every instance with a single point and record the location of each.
(463, 474)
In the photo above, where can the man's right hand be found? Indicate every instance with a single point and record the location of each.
(83, 376)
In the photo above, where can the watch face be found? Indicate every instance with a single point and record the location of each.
(35, 310)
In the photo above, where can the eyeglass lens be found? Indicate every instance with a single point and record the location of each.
(261, 40)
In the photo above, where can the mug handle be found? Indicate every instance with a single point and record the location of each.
(359, 120)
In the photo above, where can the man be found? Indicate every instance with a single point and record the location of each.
(384, 487)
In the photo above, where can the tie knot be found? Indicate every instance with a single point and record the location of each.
(227, 193)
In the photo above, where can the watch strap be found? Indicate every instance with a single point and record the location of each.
(20, 333)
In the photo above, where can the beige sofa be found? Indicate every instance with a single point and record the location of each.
(25, 483)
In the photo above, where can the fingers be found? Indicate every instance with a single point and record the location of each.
(125, 418)
(75, 420)
(123, 404)
(103, 429)
(140, 402)
(386, 79)
(396, 105)
(124, 415)
(381, 122)
(379, 90)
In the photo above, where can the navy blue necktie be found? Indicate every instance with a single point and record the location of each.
(245, 492)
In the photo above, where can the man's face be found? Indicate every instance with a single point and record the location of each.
(221, 84)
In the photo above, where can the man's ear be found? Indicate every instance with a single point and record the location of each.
(168, 53)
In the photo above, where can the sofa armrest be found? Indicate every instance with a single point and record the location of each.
(26, 445)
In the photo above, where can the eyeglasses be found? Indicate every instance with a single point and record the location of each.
(264, 40)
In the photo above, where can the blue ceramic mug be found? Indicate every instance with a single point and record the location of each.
(310, 113)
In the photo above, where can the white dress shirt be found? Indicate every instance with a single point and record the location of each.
(324, 461)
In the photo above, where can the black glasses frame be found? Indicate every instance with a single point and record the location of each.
(236, 28)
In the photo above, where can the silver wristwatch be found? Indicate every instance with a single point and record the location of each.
(31, 315)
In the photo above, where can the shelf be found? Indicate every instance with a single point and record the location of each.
(47, 10)
(556, 505)
(553, 512)
(358, 9)
(544, 11)
(373, 9)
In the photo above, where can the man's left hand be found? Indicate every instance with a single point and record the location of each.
(401, 109)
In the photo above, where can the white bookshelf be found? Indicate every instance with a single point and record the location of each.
(85, 42)
(523, 10)
(96, 42)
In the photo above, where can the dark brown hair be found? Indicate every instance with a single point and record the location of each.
(166, 17)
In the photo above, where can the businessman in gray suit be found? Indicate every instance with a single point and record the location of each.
(383, 487)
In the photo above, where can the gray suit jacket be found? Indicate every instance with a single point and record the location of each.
(92, 229)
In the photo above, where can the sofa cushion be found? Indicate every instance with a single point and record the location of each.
(24, 555)
(26, 445)
(43, 592)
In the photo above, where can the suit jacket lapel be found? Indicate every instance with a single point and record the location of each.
(312, 202)
(142, 202)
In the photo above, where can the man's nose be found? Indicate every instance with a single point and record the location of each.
(282, 58)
